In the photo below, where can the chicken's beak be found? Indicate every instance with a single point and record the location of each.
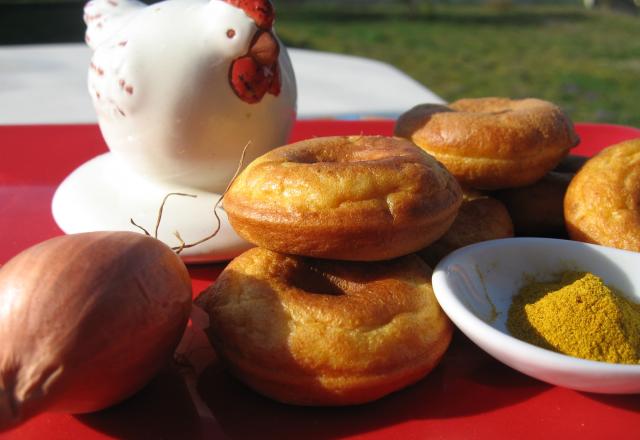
(257, 73)
(264, 48)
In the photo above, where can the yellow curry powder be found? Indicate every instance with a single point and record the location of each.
(580, 316)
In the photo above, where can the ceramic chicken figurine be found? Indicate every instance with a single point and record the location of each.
(181, 86)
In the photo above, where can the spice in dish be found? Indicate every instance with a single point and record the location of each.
(580, 316)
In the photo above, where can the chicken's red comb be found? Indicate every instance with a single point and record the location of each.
(261, 11)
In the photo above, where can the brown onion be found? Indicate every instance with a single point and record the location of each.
(86, 320)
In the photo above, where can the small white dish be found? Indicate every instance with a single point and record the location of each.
(475, 285)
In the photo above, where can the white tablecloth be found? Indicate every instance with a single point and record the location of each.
(47, 84)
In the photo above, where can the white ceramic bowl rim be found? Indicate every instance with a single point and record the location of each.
(453, 306)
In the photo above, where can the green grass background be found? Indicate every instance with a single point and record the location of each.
(588, 62)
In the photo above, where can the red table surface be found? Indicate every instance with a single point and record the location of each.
(469, 395)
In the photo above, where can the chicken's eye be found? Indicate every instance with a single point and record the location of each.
(231, 33)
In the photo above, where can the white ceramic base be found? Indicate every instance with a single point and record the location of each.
(103, 195)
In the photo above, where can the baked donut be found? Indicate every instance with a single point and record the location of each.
(537, 209)
(357, 198)
(491, 143)
(480, 218)
(602, 203)
(320, 332)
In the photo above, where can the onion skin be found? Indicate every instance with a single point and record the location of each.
(86, 320)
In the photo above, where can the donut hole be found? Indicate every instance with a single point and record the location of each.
(352, 151)
(310, 279)
(311, 157)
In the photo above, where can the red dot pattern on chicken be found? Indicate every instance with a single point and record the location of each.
(249, 80)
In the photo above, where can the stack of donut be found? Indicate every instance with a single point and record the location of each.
(332, 307)
(502, 152)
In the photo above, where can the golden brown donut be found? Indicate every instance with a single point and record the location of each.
(491, 143)
(537, 209)
(602, 204)
(480, 218)
(321, 332)
(358, 198)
